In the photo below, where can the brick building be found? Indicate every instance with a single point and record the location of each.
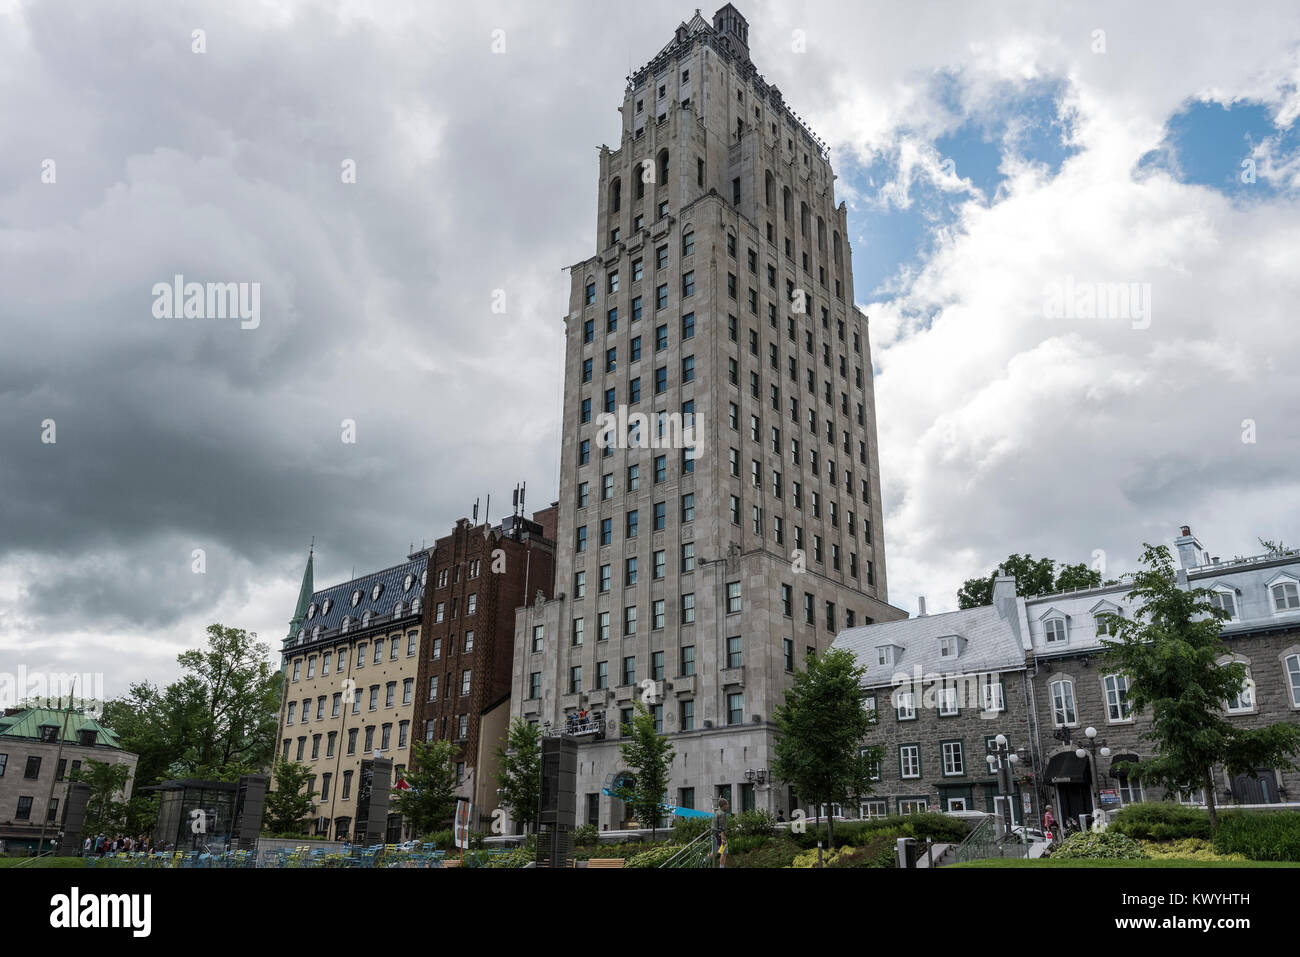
(479, 576)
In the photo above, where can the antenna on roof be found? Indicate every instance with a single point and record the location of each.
(523, 490)
(476, 511)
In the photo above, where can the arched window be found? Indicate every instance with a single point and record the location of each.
(398, 608)
(365, 618)
(347, 623)
(1243, 702)
(615, 195)
(415, 606)
(1063, 713)
(663, 166)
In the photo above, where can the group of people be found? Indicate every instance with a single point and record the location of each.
(102, 844)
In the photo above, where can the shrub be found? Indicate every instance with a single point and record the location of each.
(585, 835)
(442, 840)
(1259, 835)
(774, 852)
(1108, 844)
(1161, 821)
(760, 823)
(1187, 849)
(876, 853)
(654, 857)
(686, 829)
(744, 843)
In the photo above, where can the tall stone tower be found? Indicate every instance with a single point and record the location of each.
(696, 575)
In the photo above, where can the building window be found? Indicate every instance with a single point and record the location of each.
(905, 705)
(1243, 702)
(687, 721)
(909, 760)
(736, 708)
(688, 608)
(1223, 598)
(1063, 713)
(1054, 631)
(1292, 673)
(953, 763)
(1117, 704)
(433, 688)
(464, 682)
(733, 598)
(1286, 597)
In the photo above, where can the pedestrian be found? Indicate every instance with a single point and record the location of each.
(1049, 824)
(780, 816)
(720, 832)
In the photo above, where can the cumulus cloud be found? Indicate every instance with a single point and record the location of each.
(1000, 429)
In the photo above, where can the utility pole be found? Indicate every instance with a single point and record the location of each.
(58, 754)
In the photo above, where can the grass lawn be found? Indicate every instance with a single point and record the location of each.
(47, 862)
(1105, 862)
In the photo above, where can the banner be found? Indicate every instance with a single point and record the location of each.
(462, 824)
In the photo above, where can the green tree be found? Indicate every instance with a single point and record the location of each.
(520, 777)
(289, 803)
(822, 724)
(217, 721)
(104, 809)
(1034, 576)
(429, 802)
(650, 756)
(1170, 651)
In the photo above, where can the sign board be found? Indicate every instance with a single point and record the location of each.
(1026, 802)
(462, 824)
(1109, 796)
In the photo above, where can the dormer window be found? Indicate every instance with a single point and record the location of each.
(376, 592)
(356, 598)
(49, 733)
(311, 611)
(408, 582)
(424, 577)
(315, 633)
(326, 606)
(365, 618)
(1286, 597)
(347, 623)
(1106, 624)
(1225, 598)
(398, 608)
(948, 647)
(1054, 631)
(886, 654)
(302, 635)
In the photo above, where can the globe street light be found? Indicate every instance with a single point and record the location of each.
(1089, 748)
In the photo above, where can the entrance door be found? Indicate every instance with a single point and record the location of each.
(1258, 790)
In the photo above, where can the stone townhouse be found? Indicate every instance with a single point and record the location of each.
(942, 687)
(1047, 651)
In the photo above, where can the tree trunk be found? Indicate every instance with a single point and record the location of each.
(830, 825)
(1208, 784)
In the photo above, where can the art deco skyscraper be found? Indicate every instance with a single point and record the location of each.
(698, 579)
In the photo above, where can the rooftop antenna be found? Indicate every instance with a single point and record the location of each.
(475, 511)
(523, 490)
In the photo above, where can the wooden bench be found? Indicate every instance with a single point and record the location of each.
(605, 862)
(451, 862)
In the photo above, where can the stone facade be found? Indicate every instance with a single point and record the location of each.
(31, 760)
(722, 289)
(1048, 653)
(350, 686)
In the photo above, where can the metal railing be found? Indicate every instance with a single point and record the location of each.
(695, 854)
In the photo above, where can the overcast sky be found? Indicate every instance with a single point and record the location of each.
(994, 156)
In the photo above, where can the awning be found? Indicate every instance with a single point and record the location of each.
(1066, 768)
(1121, 759)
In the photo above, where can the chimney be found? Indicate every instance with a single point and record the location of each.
(1004, 594)
(1191, 553)
(920, 603)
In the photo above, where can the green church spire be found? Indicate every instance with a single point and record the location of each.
(304, 595)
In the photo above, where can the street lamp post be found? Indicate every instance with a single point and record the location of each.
(1089, 748)
(1001, 760)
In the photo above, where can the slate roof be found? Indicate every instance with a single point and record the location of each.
(26, 724)
(990, 645)
(329, 606)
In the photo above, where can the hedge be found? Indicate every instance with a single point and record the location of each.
(1161, 821)
(1260, 835)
